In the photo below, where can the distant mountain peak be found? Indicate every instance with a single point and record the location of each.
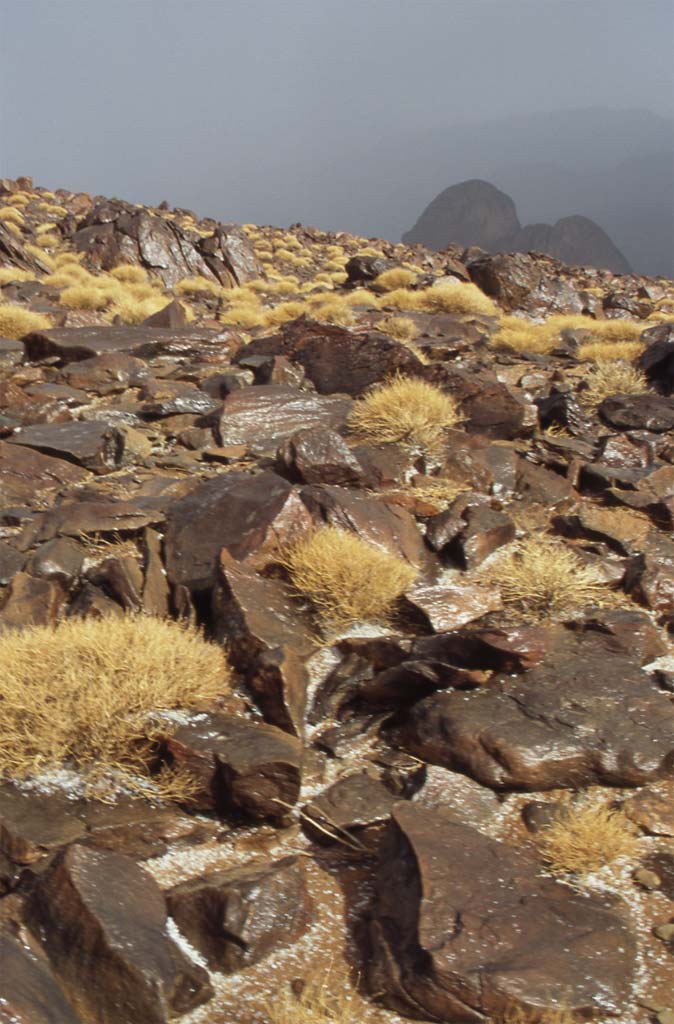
(475, 212)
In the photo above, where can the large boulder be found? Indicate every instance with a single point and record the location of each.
(338, 359)
(585, 715)
(465, 929)
(101, 919)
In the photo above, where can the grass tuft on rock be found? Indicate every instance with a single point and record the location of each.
(542, 576)
(612, 377)
(320, 998)
(17, 321)
(82, 694)
(405, 409)
(347, 579)
(586, 837)
(455, 297)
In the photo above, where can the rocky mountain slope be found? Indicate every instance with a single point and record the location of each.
(476, 213)
(438, 780)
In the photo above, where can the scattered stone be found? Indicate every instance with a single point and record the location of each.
(95, 446)
(238, 917)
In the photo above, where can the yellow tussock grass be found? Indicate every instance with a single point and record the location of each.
(129, 273)
(198, 286)
(319, 998)
(49, 240)
(334, 311)
(39, 254)
(134, 311)
(587, 836)
(455, 297)
(397, 277)
(10, 215)
(404, 409)
(14, 229)
(16, 321)
(83, 694)
(541, 576)
(284, 313)
(402, 328)
(612, 378)
(601, 351)
(84, 296)
(10, 274)
(345, 578)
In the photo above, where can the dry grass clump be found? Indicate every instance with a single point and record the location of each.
(397, 277)
(49, 240)
(198, 286)
(347, 579)
(320, 998)
(402, 328)
(334, 310)
(54, 209)
(534, 1015)
(82, 695)
(10, 274)
(601, 351)
(131, 310)
(10, 215)
(14, 229)
(69, 259)
(439, 490)
(130, 273)
(84, 296)
(455, 297)
(401, 298)
(612, 377)
(404, 409)
(283, 313)
(608, 337)
(17, 321)
(20, 199)
(587, 836)
(542, 576)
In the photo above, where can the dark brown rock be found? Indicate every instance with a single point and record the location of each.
(485, 531)
(29, 993)
(238, 917)
(26, 474)
(447, 606)
(35, 824)
(519, 282)
(71, 344)
(155, 586)
(657, 361)
(75, 518)
(388, 526)
(136, 828)
(465, 928)
(354, 808)
(29, 601)
(244, 767)
(315, 455)
(265, 416)
(11, 562)
(95, 446)
(60, 559)
(244, 514)
(338, 359)
(638, 412)
(268, 641)
(585, 715)
(106, 374)
(173, 315)
(102, 922)
(652, 808)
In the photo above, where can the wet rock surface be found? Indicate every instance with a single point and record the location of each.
(377, 797)
(463, 929)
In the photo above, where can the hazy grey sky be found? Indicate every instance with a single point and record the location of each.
(279, 110)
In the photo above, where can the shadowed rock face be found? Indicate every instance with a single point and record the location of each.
(476, 213)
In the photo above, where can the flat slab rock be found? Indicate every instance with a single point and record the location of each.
(264, 416)
(29, 993)
(74, 343)
(101, 919)
(96, 446)
(26, 474)
(587, 714)
(465, 927)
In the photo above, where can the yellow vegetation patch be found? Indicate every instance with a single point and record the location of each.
(402, 328)
(84, 296)
(347, 579)
(397, 277)
(198, 286)
(10, 215)
(321, 998)
(49, 240)
(52, 208)
(542, 576)
(601, 351)
(134, 311)
(10, 274)
(16, 321)
(39, 254)
(334, 310)
(404, 409)
(612, 378)
(14, 229)
(455, 297)
(68, 274)
(129, 273)
(587, 836)
(284, 313)
(83, 694)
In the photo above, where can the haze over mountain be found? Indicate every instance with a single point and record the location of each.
(350, 116)
(476, 213)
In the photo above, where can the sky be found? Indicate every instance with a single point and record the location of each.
(275, 111)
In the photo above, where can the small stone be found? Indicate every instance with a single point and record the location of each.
(647, 879)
